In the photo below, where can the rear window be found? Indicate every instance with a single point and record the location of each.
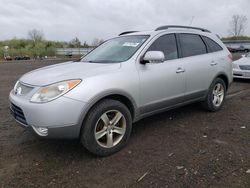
(212, 45)
(192, 45)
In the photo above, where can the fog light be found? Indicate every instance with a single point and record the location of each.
(41, 131)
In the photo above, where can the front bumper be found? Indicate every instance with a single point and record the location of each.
(61, 117)
(238, 73)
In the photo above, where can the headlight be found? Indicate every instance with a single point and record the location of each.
(53, 91)
(16, 84)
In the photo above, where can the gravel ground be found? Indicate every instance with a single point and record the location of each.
(186, 147)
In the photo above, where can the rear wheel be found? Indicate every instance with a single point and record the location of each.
(216, 95)
(107, 128)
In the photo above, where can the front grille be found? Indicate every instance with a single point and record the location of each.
(235, 74)
(18, 113)
(244, 67)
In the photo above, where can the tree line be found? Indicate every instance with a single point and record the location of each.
(37, 46)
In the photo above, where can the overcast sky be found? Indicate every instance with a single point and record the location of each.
(87, 19)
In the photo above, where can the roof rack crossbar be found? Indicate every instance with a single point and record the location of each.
(127, 32)
(179, 26)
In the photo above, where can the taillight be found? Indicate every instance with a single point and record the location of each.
(230, 56)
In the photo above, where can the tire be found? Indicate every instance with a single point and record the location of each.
(209, 103)
(101, 123)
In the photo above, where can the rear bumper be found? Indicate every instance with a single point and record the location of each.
(61, 117)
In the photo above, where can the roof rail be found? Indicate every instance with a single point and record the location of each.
(127, 32)
(179, 26)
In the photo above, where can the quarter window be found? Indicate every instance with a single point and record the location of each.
(192, 45)
(166, 44)
(212, 45)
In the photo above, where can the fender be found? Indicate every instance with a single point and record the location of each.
(106, 94)
(223, 75)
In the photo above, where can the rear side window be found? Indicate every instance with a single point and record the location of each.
(192, 45)
(166, 44)
(212, 45)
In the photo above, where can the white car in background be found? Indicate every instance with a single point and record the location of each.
(241, 67)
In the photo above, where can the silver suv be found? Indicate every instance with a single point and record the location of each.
(125, 79)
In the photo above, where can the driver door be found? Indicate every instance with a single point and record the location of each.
(162, 85)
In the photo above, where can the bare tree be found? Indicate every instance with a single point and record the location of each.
(75, 43)
(238, 25)
(35, 35)
(97, 42)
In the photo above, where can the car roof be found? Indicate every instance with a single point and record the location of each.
(153, 32)
(175, 29)
(169, 29)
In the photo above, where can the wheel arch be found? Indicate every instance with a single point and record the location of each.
(125, 100)
(224, 77)
(122, 97)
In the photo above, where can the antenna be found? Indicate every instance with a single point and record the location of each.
(192, 19)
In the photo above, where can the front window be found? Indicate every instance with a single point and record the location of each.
(116, 50)
(248, 55)
(166, 44)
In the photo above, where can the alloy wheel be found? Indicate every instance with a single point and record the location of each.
(218, 94)
(110, 128)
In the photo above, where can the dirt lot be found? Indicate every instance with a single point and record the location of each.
(186, 147)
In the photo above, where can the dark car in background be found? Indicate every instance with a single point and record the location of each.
(232, 50)
(22, 58)
(239, 49)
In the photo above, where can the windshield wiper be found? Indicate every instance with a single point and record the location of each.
(87, 61)
(101, 61)
(77, 60)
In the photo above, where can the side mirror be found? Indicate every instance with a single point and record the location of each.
(153, 57)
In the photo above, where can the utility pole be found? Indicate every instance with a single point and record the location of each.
(192, 19)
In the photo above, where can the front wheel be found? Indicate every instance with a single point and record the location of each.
(107, 128)
(215, 96)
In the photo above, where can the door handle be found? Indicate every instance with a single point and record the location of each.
(213, 63)
(180, 70)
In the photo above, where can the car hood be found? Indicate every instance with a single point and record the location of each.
(65, 71)
(242, 61)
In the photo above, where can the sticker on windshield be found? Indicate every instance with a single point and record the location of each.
(131, 44)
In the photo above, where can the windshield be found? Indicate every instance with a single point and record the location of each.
(116, 50)
(248, 55)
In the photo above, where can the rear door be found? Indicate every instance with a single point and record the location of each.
(197, 63)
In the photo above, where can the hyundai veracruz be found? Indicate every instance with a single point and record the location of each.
(125, 79)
